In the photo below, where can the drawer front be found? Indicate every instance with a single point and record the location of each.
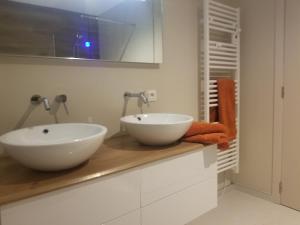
(91, 203)
(183, 207)
(165, 178)
(133, 218)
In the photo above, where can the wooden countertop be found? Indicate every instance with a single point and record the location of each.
(115, 155)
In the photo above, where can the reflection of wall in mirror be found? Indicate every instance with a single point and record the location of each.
(126, 32)
(114, 39)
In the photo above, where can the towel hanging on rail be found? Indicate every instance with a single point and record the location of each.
(227, 114)
(225, 111)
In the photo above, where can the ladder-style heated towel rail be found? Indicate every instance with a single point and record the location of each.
(220, 58)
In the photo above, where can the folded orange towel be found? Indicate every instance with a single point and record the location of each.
(226, 112)
(205, 128)
(208, 133)
(213, 138)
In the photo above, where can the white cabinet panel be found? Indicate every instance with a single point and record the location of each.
(133, 218)
(172, 175)
(90, 204)
(182, 207)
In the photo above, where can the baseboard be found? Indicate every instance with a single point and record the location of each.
(224, 190)
(252, 192)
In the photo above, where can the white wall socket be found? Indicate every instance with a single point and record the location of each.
(151, 95)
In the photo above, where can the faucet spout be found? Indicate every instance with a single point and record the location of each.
(37, 100)
(144, 98)
(140, 95)
(46, 103)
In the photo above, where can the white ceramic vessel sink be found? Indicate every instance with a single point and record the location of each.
(54, 147)
(157, 128)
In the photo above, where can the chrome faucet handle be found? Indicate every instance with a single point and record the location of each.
(35, 99)
(63, 99)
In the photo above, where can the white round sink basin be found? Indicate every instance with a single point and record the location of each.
(54, 147)
(157, 128)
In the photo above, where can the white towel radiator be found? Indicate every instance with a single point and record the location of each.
(220, 58)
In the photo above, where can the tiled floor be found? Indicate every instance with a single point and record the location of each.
(238, 208)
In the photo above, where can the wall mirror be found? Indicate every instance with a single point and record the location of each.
(109, 30)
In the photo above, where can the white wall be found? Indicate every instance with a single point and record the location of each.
(96, 89)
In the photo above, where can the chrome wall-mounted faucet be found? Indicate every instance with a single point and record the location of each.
(142, 99)
(140, 95)
(37, 100)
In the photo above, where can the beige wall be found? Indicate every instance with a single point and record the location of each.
(257, 77)
(95, 89)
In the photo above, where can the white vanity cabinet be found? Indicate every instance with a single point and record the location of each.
(173, 191)
(179, 190)
(133, 218)
(90, 203)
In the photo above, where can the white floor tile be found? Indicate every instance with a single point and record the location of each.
(238, 208)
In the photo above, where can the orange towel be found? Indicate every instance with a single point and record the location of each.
(205, 128)
(213, 138)
(208, 133)
(213, 114)
(227, 115)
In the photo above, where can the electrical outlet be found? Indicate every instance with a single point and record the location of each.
(151, 95)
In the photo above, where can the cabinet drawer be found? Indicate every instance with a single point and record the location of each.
(133, 218)
(89, 203)
(165, 178)
(182, 207)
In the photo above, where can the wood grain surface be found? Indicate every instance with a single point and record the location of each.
(115, 155)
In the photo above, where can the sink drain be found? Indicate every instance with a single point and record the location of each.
(45, 131)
